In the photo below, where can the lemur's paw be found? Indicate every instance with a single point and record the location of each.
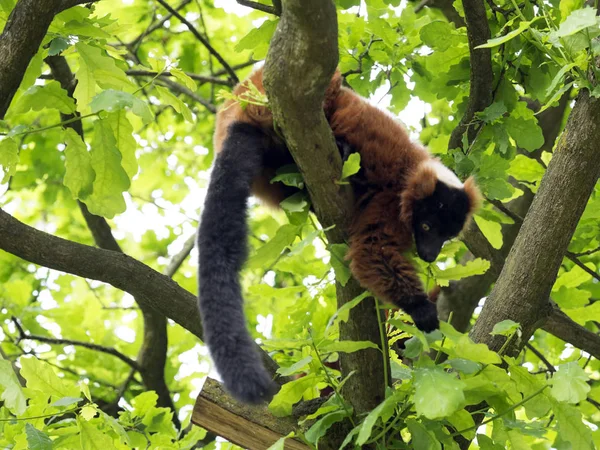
(424, 314)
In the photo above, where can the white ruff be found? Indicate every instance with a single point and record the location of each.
(444, 174)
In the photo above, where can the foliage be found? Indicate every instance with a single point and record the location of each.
(142, 161)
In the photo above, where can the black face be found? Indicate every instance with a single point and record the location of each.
(438, 218)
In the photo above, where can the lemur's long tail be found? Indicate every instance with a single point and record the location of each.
(222, 241)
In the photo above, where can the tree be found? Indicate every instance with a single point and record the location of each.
(106, 117)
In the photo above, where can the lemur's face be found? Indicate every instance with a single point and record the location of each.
(438, 218)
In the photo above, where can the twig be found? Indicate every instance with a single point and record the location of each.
(180, 257)
(202, 39)
(537, 353)
(153, 27)
(99, 348)
(259, 7)
(202, 78)
(577, 262)
(191, 94)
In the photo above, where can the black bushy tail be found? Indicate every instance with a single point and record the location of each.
(222, 241)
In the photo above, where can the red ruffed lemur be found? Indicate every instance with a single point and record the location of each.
(401, 194)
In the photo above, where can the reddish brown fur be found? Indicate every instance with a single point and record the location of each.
(381, 230)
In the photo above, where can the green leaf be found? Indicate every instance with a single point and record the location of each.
(505, 328)
(466, 348)
(9, 158)
(178, 105)
(67, 401)
(338, 262)
(585, 314)
(461, 420)
(280, 444)
(111, 179)
(267, 254)
(571, 427)
(295, 368)
(437, 393)
(491, 230)
(123, 132)
(96, 68)
(422, 439)
(50, 95)
(523, 168)
(439, 35)
(88, 412)
(143, 403)
(291, 393)
(183, 78)
(347, 346)
(79, 174)
(508, 36)
(569, 384)
(558, 78)
(576, 21)
(351, 165)
(12, 394)
(492, 112)
(91, 438)
(36, 439)
(523, 128)
(289, 176)
(343, 313)
(384, 410)
(295, 203)
(57, 46)
(476, 266)
(320, 427)
(258, 39)
(111, 100)
(41, 377)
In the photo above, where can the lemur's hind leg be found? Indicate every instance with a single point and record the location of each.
(222, 242)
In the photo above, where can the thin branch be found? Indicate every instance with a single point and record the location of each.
(542, 358)
(180, 257)
(565, 328)
(99, 348)
(153, 27)
(587, 253)
(578, 263)
(201, 78)
(191, 94)
(259, 7)
(202, 39)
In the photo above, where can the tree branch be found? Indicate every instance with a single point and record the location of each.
(158, 25)
(191, 94)
(23, 336)
(563, 327)
(522, 290)
(305, 42)
(194, 76)
(20, 40)
(260, 7)
(202, 39)
(482, 75)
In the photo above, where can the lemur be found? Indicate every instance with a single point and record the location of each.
(403, 194)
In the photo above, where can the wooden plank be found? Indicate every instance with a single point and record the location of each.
(251, 427)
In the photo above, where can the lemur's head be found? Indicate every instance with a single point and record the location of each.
(437, 205)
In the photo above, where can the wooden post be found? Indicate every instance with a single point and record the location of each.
(251, 427)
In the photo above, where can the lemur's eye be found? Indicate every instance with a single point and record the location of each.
(425, 227)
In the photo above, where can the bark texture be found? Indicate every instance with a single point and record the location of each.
(522, 290)
(301, 61)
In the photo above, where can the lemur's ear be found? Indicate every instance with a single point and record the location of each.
(473, 194)
(419, 185)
